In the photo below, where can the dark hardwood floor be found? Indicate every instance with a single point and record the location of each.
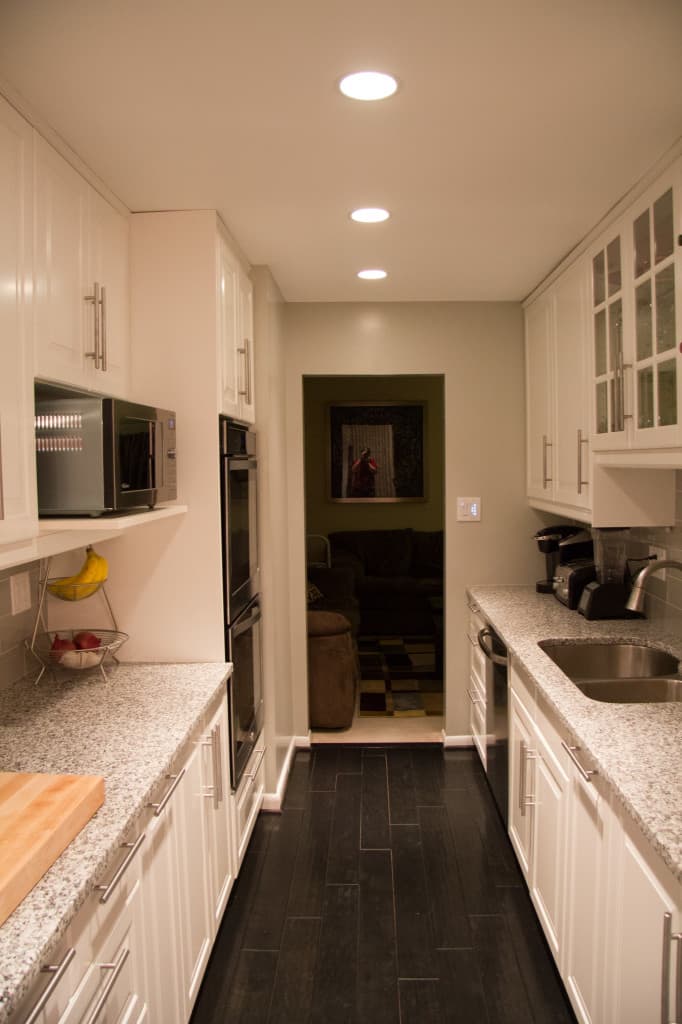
(385, 891)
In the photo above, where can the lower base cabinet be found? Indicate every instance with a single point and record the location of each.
(610, 909)
(137, 950)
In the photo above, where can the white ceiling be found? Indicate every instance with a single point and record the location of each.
(517, 124)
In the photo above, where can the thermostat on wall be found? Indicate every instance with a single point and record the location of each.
(469, 510)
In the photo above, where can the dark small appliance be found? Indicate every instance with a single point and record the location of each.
(605, 597)
(571, 579)
(548, 540)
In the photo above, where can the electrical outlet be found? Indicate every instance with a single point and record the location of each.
(660, 554)
(20, 592)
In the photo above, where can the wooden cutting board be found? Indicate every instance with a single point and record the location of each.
(39, 816)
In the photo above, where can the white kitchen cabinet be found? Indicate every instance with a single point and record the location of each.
(521, 778)
(643, 969)
(82, 333)
(557, 421)
(477, 687)
(539, 399)
(18, 508)
(538, 797)
(105, 977)
(587, 867)
(637, 324)
(195, 932)
(550, 800)
(248, 800)
(235, 301)
(217, 809)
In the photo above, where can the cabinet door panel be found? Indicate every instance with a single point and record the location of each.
(228, 302)
(539, 400)
(637, 948)
(572, 422)
(195, 938)
(246, 350)
(521, 748)
(18, 513)
(63, 319)
(109, 233)
(215, 770)
(549, 833)
(585, 899)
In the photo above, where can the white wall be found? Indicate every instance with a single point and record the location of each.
(273, 529)
(479, 349)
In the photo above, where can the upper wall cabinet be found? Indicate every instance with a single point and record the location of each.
(636, 325)
(235, 325)
(18, 510)
(556, 396)
(82, 332)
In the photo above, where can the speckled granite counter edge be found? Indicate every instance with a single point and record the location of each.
(577, 714)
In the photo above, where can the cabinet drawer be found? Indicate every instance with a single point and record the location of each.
(248, 800)
(478, 730)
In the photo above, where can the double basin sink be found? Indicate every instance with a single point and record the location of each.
(621, 673)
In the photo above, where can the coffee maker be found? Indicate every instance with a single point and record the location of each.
(605, 597)
(554, 543)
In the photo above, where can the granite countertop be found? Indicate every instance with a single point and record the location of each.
(635, 747)
(127, 729)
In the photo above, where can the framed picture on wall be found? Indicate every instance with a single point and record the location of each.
(376, 451)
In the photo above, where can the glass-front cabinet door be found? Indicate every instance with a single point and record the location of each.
(608, 343)
(655, 294)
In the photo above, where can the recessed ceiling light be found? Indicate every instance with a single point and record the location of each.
(368, 85)
(371, 275)
(370, 215)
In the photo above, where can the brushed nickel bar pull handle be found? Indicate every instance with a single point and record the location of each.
(219, 763)
(115, 969)
(103, 329)
(244, 352)
(586, 773)
(581, 441)
(545, 445)
(677, 937)
(57, 971)
(252, 774)
(522, 778)
(158, 808)
(668, 938)
(96, 301)
(108, 888)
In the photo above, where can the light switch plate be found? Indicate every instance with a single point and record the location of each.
(20, 592)
(469, 510)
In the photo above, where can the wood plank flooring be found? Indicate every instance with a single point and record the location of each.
(385, 892)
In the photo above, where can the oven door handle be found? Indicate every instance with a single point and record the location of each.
(497, 659)
(249, 463)
(242, 626)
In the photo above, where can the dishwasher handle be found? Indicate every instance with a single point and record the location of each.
(497, 659)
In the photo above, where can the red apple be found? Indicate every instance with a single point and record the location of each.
(60, 645)
(85, 641)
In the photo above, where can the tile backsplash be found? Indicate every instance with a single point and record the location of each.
(663, 602)
(15, 661)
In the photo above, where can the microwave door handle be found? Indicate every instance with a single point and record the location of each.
(153, 464)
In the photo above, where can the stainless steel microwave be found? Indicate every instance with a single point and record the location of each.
(97, 455)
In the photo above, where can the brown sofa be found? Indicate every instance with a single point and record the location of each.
(332, 670)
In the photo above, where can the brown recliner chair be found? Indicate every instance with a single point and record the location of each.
(332, 670)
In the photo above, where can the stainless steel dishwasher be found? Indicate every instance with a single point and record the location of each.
(497, 726)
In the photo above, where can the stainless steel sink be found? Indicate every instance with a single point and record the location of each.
(632, 691)
(626, 673)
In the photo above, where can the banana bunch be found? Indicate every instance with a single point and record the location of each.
(93, 573)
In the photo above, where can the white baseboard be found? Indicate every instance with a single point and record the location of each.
(272, 802)
(450, 742)
(302, 742)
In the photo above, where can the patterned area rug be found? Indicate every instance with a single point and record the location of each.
(399, 677)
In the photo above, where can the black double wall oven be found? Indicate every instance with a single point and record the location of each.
(241, 583)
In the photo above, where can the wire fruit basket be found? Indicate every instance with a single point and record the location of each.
(54, 651)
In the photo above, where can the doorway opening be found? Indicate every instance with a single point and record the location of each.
(374, 485)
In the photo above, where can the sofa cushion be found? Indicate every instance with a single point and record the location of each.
(389, 592)
(427, 553)
(382, 552)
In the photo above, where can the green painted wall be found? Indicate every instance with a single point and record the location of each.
(325, 516)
